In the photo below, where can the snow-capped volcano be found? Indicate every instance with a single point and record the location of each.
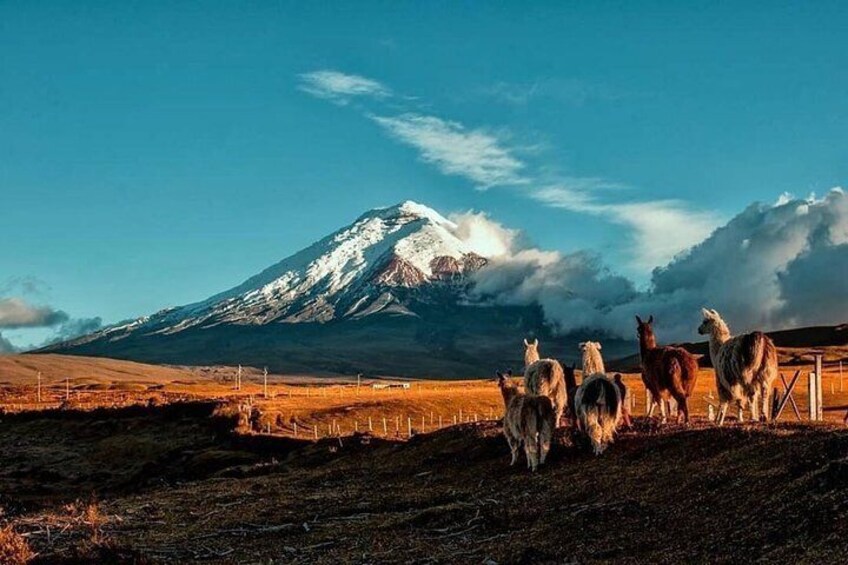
(379, 263)
(387, 294)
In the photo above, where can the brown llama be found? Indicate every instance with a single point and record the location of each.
(528, 421)
(668, 372)
(625, 400)
(745, 366)
(570, 378)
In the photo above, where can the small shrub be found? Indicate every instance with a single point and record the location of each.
(14, 549)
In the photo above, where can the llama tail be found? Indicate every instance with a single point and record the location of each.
(595, 431)
(602, 418)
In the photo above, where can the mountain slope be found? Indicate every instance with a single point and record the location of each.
(386, 294)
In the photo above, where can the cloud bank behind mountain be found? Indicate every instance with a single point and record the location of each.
(771, 266)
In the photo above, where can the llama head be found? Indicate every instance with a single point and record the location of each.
(589, 345)
(645, 330)
(504, 379)
(531, 351)
(711, 320)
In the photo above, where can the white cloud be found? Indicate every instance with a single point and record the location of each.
(485, 236)
(657, 230)
(661, 229)
(768, 268)
(475, 154)
(340, 87)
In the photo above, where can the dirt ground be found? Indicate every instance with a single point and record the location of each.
(772, 493)
(183, 470)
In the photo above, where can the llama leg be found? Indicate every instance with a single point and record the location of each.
(766, 399)
(544, 442)
(755, 406)
(722, 412)
(663, 411)
(531, 450)
(651, 407)
(514, 444)
(683, 410)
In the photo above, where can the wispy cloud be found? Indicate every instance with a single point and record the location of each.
(340, 87)
(658, 229)
(475, 154)
(573, 92)
(661, 229)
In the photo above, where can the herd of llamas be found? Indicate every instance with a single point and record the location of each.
(745, 367)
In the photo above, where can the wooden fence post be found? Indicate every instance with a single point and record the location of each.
(813, 396)
(819, 402)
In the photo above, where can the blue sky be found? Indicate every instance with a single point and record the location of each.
(153, 154)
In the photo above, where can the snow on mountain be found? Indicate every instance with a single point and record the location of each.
(373, 265)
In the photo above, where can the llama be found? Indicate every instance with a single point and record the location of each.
(745, 366)
(570, 377)
(545, 378)
(593, 363)
(529, 421)
(625, 400)
(668, 372)
(531, 352)
(597, 405)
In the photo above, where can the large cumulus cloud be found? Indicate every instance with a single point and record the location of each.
(772, 266)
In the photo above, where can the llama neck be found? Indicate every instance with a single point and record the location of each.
(592, 363)
(530, 357)
(646, 342)
(570, 380)
(508, 392)
(719, 334)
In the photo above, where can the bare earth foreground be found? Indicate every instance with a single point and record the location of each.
(161, 475)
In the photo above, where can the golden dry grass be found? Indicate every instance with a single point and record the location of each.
(314, 406)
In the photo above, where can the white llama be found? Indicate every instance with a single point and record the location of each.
(745, 366)
(593, 363)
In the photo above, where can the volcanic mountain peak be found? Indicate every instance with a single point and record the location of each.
(382, 260)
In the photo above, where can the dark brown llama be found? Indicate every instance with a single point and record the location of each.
(668, 372)
(570, 377)
(625, 400)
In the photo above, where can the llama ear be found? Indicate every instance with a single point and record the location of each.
(536, 342)
(714, 313)
(639, 320)
(509, 372)
(651, 319)
(598, 343)
(526, 343)
(706, 313)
